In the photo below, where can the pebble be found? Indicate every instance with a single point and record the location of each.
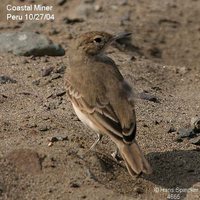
(184, 133)
(61, 2)
(28, 44)
(6, 79)
(58, 138)
(36, 82)
(68, 20)
(74, 185)
(46, 71)
(43, 127)
(195, 140)
(55, 76)
(171, 129)
(149, 97)
(60, 69)
(97, 8)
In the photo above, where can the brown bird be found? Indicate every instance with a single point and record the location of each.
(101, 97)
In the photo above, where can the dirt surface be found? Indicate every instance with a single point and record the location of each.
(162, 59)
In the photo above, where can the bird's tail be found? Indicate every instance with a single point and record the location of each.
(134, 159)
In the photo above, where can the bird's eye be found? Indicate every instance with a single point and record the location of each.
(98, 40)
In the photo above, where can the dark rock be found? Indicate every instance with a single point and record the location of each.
(25, 160)
(60, 93)
(46, 71)
(3, 98)
(179, 140)
(61, 2)
(68, 20)
(74, 185)
(58, 138)
(29, 43)
(171, 129)
(6, 79)
(60, 69)
(149, 97)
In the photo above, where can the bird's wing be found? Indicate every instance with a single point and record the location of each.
(107, 115)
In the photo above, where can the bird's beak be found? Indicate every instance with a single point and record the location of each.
(120, 36)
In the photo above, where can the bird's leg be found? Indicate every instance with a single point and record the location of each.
(116, 155)
(99, 137)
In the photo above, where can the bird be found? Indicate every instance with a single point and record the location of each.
(101, 97)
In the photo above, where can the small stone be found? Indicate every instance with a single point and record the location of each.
(58, 138)
(171, 130)
(50, 144)
(46, 71)
(6, 79)
(179, 140)
(60, 93)
(97, 8)
(149, 97)
(36, 82)
(55, 76)
(74, 185)
(60, 69)
(31, 125)
(43, 127)
(184, 133)
(68, 20)
(61, 2)
(195, 140)
(29, 43)
(122, 2)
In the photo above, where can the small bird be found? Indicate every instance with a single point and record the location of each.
(102, 99)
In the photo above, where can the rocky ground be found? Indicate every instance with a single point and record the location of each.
(44, 147)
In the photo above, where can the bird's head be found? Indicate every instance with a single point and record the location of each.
(93, 43)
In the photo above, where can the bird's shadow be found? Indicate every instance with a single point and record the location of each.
(175, 172)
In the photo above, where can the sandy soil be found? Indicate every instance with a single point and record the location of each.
(162, 59)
